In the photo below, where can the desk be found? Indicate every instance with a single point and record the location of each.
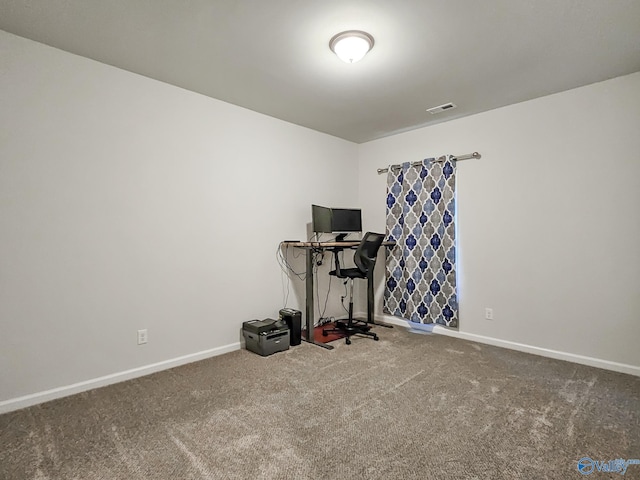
(309, 313)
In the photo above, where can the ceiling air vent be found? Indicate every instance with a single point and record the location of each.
(441, 108)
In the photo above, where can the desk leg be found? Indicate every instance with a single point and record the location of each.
(309, 303)
(370, 302)
(370, 298)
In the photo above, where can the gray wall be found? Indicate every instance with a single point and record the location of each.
(548, 220)
(126, 204)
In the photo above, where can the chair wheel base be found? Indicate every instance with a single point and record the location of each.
(350, 327)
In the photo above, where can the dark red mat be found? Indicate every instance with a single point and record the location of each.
(318, 337)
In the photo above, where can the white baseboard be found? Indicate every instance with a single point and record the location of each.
(521, 347)
(59, 392)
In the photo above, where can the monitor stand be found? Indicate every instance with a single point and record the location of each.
(341, 237)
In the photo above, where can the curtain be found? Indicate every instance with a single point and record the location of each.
(421, 268)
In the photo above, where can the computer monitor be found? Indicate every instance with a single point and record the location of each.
(321, 219)
(345, 220)
(336, 220)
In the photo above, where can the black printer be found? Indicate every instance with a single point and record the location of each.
(265, 337)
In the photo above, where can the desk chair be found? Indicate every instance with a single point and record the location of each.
(365, 261)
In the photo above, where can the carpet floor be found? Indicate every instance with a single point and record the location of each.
(406, 407)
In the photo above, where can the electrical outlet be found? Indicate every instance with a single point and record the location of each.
(142, 336)
(488, 313)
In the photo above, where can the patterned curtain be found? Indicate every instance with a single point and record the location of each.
(421, 268)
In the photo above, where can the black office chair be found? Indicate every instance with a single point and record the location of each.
(365, 261)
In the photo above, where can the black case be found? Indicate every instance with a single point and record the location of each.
(293, 319)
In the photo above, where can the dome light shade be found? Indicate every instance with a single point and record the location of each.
(351, 46)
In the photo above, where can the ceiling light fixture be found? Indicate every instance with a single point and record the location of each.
(351, 46)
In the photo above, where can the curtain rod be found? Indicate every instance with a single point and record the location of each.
(439, 159)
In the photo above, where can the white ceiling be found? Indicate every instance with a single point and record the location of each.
(272, 56)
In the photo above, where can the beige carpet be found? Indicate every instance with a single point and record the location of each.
(407, 407)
